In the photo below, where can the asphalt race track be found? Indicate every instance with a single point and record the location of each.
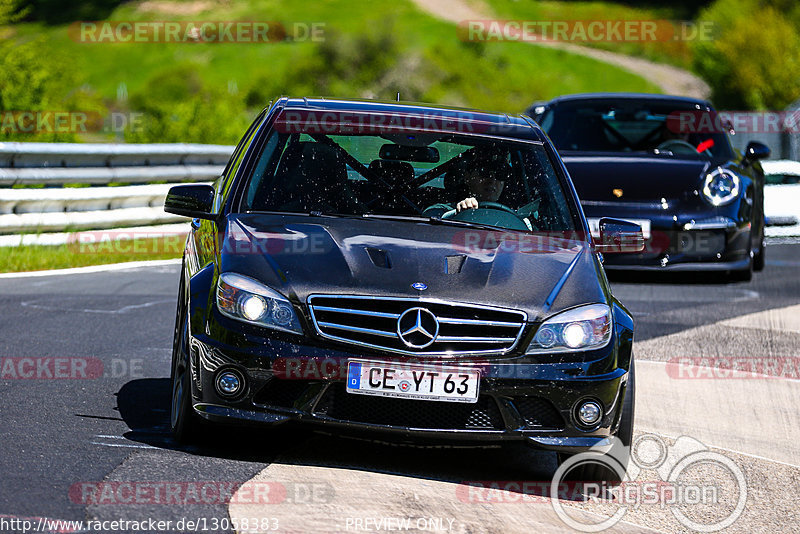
(84, 399)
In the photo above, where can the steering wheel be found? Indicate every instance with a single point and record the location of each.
(481, 206)
(469, 215)
(677, 146)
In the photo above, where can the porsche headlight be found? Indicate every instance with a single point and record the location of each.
(240, 297)
(721, 187)
(584, 328)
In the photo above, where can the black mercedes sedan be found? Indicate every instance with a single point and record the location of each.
(666, 163)
(400, 270)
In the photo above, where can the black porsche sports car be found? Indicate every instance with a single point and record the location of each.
(666, 163)
(413, 271)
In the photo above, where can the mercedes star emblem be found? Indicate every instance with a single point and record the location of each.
(417, 328)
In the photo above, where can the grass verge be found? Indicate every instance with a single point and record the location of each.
(43, 257)
(677, 52)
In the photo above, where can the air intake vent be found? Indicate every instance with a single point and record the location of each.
(429, 415)
(379, 257)
(453, 264)
(539, 413)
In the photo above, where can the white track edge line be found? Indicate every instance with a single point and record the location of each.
(92, 268)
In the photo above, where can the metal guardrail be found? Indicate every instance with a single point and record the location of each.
(109, 175)
(54, 165)
(15, 155)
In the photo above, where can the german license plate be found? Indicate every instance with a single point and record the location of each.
(413, 381)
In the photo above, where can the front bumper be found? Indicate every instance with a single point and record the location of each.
(299, 379)
(519, 400)
(693, 266)
(686, 242)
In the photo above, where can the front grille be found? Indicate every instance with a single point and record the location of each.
(406, 413)
(538, 413)
(373, 322)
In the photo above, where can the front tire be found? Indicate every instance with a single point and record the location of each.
(758, 260)
(185, 424)
(598, 471)
(745, 275)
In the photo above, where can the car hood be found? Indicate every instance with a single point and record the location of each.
(637, 178)
(300, 256)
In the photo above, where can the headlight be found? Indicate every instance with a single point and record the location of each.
(240, 297)
(584, 328)
(721, 186)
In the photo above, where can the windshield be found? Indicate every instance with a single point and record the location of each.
(667, 129)
(499, 183)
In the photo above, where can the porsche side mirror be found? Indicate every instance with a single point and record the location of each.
(756, 150)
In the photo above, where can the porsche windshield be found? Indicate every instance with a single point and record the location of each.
(443, 176)
(667, 129)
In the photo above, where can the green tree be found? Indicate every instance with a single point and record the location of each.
(11, 11)
(753, 61)
(62, 11)
(35, 78)
(179, 107)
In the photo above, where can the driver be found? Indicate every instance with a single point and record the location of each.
(484, 184)
(483, 181)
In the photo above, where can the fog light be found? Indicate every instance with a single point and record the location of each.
(229, 383)
(589, 413)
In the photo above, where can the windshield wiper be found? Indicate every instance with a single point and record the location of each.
(432, 220)
(312, 213)
(407, 218)
(453, 222)
(414, 218)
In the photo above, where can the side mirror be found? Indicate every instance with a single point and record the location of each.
(756, 150)
(536, 111)
(190, 200)
(618, 236)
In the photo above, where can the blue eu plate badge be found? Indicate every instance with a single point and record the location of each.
(354, 375)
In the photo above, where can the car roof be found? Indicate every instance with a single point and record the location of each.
(500, 124)
(653, 97)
